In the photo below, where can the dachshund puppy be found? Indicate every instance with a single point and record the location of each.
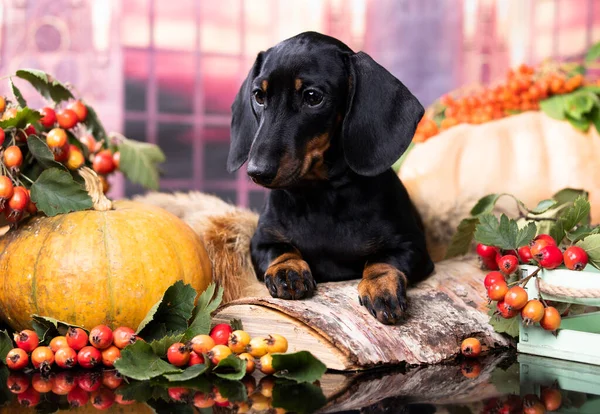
(321, 127)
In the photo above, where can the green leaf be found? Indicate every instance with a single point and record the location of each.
(485, 204)
(172, 312)
(24, 117)
(554, 107)
(569, 195)
(139, 162)
(231, 368)
(42, 153)
(55, 192)
(505, 234)
(189, 373)
(581, 124)
(595, 118)
(139, 362)
(501, 325)
(591, 245)
(299, 366)
(47, 86)
(47, 328)
(297, 398)
(461, 240)
(18, 95)
(6, 344)
(572, 216)
(208, 302)
(160, 346)
(140, 391)
(580, 103)
(581, 233)
(236, 325)
(593, 52)
(234, 391)
(543, 206)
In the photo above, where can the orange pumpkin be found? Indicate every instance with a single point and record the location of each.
(92, 267)
(529, 155)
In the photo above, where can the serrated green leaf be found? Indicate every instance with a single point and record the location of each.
(297, 398)
(6, 344)
(581, 232)
(569, 195)
(160, 346)
(139, 162)
(554, 107)
(18, 95)
(189, 373)
(504, 234)
(42, 153)
(231, 368)
(501, 325)
(593, 52)
(234, 391)
(47, 328)
(591, 245)
(23, 117)
(94, 125)
(172, 312)
(461, 240)
(581, 124)
(139, 362)
(140, 391)
(543, 206)
(45, 84)
(580, 103)
(208, 302)
(575, 214)
(485, 204)
(299, 366)
(55, 192)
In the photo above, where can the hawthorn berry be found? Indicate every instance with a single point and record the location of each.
(56, 138)
(532, 312)
(77, 397)
(101, 337)
(19, 199)
(493, 277)
(201, 344)
(195, 359)
(123, 336)
(551, 319)
(42, 383)
(218, 353)
(66, 118)
(2, 136)
(539, 243)
(575, 258)
(89, 142)
(525, 254)
(110, 355)
(257, 347)
(505, 311)
(220, 333)
(276, 344)
(498, 290)
(27, 340)
(102, 398)
(58, 342)
(470, 368)
(29, 398)
(48, 117)
(178, 354)
(42, 358)
(471, 347)
(238, 340)
(13, 158)
(549, 257)
(508, 264)
(250, 364)
(179, 393)
(486, 252)
(89, 357)
(77, 338)
(79, 109)
(89, 380)
(266, 364)
(65, 357)
(516, 298)
(111, 379)
(64, 382)
(17, 382)
(17, 359)
(203, 400)
(551, 398)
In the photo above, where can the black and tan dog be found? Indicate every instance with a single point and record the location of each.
(321, 126)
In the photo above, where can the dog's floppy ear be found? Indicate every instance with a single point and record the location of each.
(381, 117)
(243, 120)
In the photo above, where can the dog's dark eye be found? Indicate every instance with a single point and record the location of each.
(259, 97)
(312, 97)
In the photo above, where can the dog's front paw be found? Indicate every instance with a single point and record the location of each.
(383, 292)
(289, 277)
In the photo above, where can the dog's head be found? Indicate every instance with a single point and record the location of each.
(308, 94)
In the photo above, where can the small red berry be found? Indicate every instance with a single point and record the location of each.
(2, 136)
(17, 382)
(89, 380)
(29, 398)
(551, 319)
(490, 263)
(89, 357)
(101, 336)
(508, 264)
(58, 342)
(19, 200)
(201, 344)
(64, 382)
(27, 340)
(471, 368)
(493, 277)
(532, 312)
(486, 252)
(56, 138)
(17, 359)
(505, 311)
(525, 254)
(77, 397)
(545, 237)
(123, 336)
(111, 379)
(103, 162)
(80, 110)
(110, 355)
(549, 257)
(195, 359)
(66, 118)
(516, 298)
(220, 333)
(498, 290)
(178, 354)
(538, 244)
(48, 117)
(42, 357)
(42, 383)
(66, 357)
(77, 338)
(575, 258)
(180, 393)
(13, 157)
(102, 399)
(471, 347)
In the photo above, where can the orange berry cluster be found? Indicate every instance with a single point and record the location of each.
(521, 91)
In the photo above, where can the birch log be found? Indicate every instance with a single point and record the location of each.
(443, 310)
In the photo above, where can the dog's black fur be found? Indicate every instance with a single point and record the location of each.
(321, 126)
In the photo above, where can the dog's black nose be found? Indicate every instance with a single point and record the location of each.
(262, 173)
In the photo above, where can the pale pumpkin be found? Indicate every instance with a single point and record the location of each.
(529, 155)
(91, 267)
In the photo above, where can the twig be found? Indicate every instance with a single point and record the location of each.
(524, 281)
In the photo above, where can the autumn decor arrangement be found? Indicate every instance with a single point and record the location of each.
(529, 135)
(176, 358)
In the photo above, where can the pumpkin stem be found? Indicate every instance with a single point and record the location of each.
(93, 186)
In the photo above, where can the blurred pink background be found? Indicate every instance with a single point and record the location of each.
(166, 71)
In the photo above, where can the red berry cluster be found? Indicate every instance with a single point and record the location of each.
(15, 198)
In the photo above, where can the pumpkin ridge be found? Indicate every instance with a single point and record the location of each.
(2, 302)
(111, 297)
